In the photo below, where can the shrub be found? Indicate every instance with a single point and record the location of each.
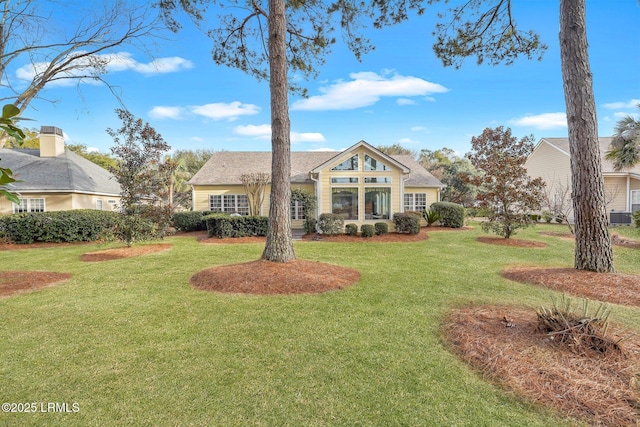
(547, 217)
(189, 221)
(451, 214)
(80, 225)
(351, 229)
(381, 228)
(636, 218)
(223, 225)
(534, 217)
(406, 223)
(430, 216)
(330, 223)
(367, 230)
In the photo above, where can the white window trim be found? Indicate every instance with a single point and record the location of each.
(15, 207)
(412, 206)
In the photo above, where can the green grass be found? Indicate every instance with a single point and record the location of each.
(133, 344)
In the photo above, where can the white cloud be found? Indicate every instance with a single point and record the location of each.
(161, 112)
(99, 64)
(418, 128)
(365, 89)
(406, 141)
(633, 103)
(324, 149)
(93, 150)
(222, 111)
(196, 139)
(543, 121)
(620, 115)
(306, 137)
(405, 101)
(264, 132)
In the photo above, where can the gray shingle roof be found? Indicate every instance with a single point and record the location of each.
(226, 167)
(605, 142)
(68, 172)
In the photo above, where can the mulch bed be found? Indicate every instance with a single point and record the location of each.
(268, 278)
(14, 282)
(119, 253)
(615, 288)
(518, 243)
(505, 345)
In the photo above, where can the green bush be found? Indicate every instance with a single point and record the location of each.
(381, 228)
(351, 229)
(408, 223)
(367, 230)
(636, 218)
(80, 225)
(451, 214)
(547, 216)
(330, 223)
(189, 220)
(223, 225)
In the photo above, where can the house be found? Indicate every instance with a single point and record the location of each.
(56, 179)
(550, 160)
(361, 183)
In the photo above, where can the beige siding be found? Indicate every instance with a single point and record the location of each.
(615, 193)
(61, 202)
(551, 164)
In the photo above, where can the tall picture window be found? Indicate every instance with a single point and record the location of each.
(344, 202)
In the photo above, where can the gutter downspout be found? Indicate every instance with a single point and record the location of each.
(317, 191)
(628, 195)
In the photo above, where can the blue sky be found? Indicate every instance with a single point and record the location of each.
(400, 93)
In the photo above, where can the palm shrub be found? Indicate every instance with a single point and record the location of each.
(431, 216)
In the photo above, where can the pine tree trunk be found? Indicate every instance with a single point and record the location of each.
(593, 244)
(279, 246)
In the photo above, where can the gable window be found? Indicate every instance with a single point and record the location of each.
(377, 180)
(297, 210)
(415, 201)
(344, 180)
(351, 164)
(229, 203)
(344, 202)
(377, 203)
(371, 164)
(29, 205)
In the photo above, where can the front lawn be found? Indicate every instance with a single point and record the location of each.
(132, 343)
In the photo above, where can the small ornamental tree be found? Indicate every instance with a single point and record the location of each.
(506, 191)
(142, 177)
(254, 185)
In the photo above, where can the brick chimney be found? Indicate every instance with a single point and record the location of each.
(51, 141)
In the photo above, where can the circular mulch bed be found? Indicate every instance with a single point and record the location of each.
(518, 243)
(267, 278)
(615, 288)
(118, 253)
(618, 240)
(14, 282)
(504, 344)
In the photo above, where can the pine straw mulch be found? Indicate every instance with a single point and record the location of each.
(15, 282)
(616, 288)
(125, 252)
(516, 243)
(505, 345)
(268, 278)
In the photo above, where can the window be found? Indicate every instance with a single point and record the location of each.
(377, 203)
(99, 204)
(350, 164)
(371, 164)
(377, 180)
(635, 200)
(297, 209)
(344, 202)
(415, 201)
(344, 180)
(229, 203)
(29, 205)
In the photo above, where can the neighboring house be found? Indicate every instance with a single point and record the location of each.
(55, 179)
(361, 184)
(550, 160)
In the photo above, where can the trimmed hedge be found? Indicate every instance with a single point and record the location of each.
(330, 224)
(80, 225)
(190, 220)
(408, 223)
(367, 230)
(381, 228)
(223, 225)
(351, 229)
(451, 214)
